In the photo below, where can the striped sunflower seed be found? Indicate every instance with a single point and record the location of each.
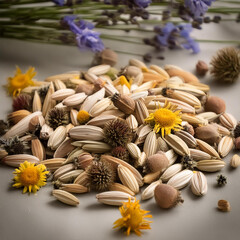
(114, 198)
(65, 197)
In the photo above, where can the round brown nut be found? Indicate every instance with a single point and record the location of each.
(215, 104)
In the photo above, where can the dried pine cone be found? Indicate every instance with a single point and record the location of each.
(117, 132)
(101, 175)
(226, 65)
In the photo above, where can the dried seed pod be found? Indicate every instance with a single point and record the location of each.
(99, 69)
(53, 163)
(181, 179)
(17, 159)
(100, 175)
(157, 162)
(224, 206)
(114, 198)
(83, 160)
(187, 138)
(171, 171)
(86, 132)
(127, 178)
(45, 132)
(116, 161)
(215, 104)
(57, 137)
(228, 120)
(162, 145)
(101, 120)
(37, 104)
(225, 146)
(48, 102)
(151, 177)
(150, 144)
(176, 71)
(171, 156)
(21, 127)
(62, 170)
(207, 148)
(167, 196)
(121, 188)
(210, 165)
(37, 149)
(149, 190)
(235, 161)
(208, 133)
(123, 103)
(134, 150)
(65, 197)
(198, 155)
(61, 94)
(132, 122)
(73, 188)
(117, 132)
(198, 183)
(82, 179)
(70, 176)
(141, 111)
(178, 145)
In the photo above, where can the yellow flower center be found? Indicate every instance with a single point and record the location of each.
(29, 176)
(165, 117)
(83, 116)
(20, 81)
(135, 218)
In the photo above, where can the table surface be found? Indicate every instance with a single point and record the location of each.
(40, 216)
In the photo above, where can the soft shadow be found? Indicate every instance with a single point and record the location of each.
(59, 205)
(192, 195)
(99, 206)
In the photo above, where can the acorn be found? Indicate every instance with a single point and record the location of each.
(157, 162)
(124, 103)
(215, 104)
(201, 68)
(208, 133)
(167, 196)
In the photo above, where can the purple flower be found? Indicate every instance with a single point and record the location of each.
(173, 36)
(59, 2)
(197, 7)
(86, 38)
(189, 42)
(166, 34)
(142, 3)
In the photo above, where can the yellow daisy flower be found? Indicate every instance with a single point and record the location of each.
(30, 177)
(20, 81)
(165, 119)
(133, 218)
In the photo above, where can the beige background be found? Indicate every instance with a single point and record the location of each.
(40, 216)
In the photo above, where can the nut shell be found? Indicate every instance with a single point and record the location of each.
(215, 104)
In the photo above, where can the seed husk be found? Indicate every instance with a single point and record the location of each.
(198, 183)
(157, 162)
(224, 206)
(235, 161)
(65, 197)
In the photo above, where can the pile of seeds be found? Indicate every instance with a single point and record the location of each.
(113, 131)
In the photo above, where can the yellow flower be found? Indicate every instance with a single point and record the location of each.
(165, 119)
(20, 81)
(132, 218)
(30, 177)
(83, 116)
(124, 81)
